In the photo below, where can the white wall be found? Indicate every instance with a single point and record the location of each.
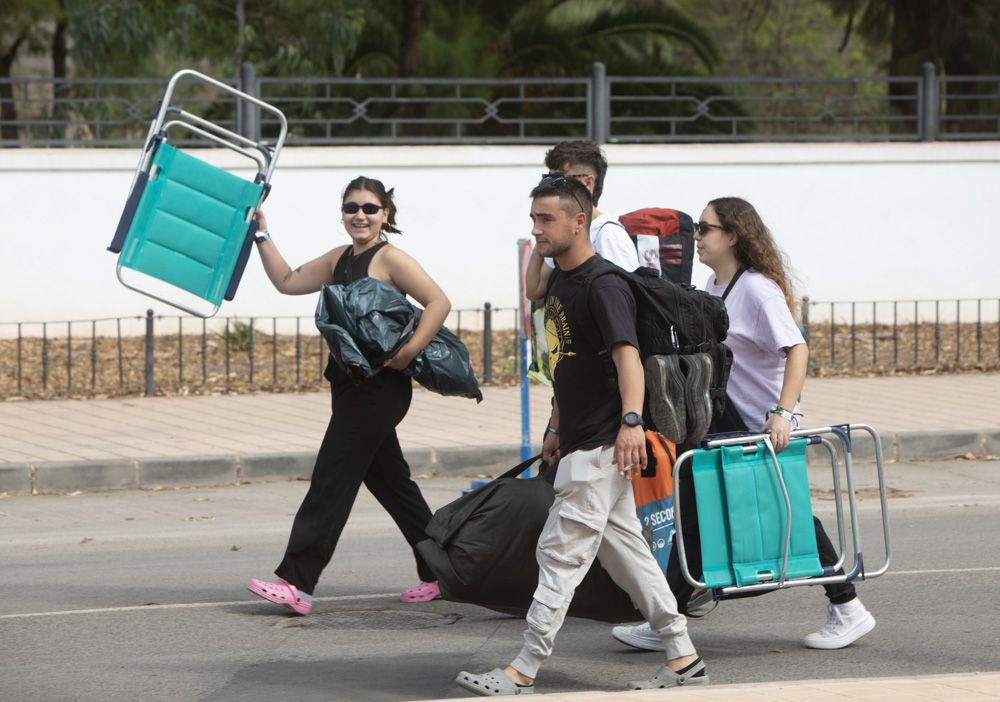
(859, 222)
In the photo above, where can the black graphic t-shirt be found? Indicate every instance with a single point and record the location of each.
(580, 331)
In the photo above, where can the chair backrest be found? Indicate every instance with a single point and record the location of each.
(742, 515)
(190, 224)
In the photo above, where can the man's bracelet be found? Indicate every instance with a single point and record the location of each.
(783, 413)
(551, 430)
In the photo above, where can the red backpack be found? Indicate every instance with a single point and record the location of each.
(672, 252)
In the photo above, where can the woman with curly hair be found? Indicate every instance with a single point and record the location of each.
(770, 358)
(769, 354)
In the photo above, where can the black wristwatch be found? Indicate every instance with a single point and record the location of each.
(632, 419)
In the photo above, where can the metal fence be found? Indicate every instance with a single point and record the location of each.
(157, 354)
(327, 111)
(907, 336)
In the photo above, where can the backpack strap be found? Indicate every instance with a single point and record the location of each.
(610, 370)
(552, 279)
(729, 288)
(612, 221)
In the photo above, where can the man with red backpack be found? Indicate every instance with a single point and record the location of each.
(652, 237)
(583, 161)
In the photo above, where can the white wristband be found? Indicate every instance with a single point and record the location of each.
(783, 413)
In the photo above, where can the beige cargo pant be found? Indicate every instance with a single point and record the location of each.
(593, 516)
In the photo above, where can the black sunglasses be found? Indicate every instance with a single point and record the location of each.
(557, 174)
(369, 208)
(557, 179)
(705, 227)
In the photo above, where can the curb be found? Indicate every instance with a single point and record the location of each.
(54, 477)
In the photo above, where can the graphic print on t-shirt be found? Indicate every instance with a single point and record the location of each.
(557, 333)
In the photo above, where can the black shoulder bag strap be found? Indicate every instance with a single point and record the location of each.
(732, 282)
(518, 469)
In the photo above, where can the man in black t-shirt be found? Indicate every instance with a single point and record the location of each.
(596, 436)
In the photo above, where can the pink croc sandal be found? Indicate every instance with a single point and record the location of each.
(280, 592)
(424, 592)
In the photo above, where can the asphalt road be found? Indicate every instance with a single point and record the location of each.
(141, 596)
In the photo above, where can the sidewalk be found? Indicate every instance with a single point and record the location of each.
(954, 688)
(67, 445)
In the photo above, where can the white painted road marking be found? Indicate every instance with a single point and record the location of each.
(378, 596)
(188, 605)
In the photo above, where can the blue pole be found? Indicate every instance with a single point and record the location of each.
(525, 406)
(524, 328)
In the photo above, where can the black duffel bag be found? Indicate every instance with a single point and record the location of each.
(481, 548)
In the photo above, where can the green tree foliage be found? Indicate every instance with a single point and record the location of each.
(113, 37)
(782, 38)
(959, 36)
(287, 37)
(559, 38)
(283, 37)
(513, 38)
(20, 30)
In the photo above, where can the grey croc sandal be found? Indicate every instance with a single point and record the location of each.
(694, 674)
(492, 684)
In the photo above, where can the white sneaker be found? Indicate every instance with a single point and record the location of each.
(845, 624)
(640, 636)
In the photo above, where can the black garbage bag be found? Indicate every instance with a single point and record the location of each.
(443, 366)
(366, 322)
(481, 548)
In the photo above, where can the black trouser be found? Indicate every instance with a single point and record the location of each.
(731, 421)
(360, 446)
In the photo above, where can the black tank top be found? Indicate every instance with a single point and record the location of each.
(350, 267)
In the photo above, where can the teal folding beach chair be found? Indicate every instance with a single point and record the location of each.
(755, 516)
(186, 233)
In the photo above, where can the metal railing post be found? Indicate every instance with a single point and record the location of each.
(930, 105)
(601, 103)
(150, 384)
(20, 367)
(487, 343)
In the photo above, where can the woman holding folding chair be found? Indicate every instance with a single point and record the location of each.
(770, 359)
(360, 445)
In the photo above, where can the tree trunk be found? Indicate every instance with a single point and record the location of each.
(8, 111)
(241, 25)
(60, 89)
(914, 39)
(59, 51)
(410, 41)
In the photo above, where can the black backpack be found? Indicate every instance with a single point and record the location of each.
(678, 319)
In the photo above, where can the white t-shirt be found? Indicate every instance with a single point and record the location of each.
(760, 328)
(611, 242)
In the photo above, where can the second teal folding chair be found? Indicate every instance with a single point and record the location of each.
(755, 517)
